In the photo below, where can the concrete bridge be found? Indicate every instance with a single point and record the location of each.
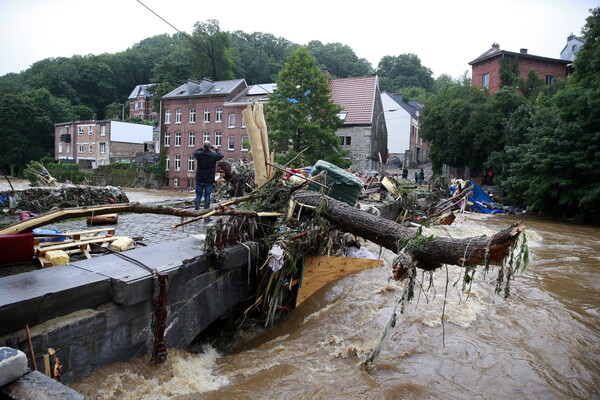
(100, 311)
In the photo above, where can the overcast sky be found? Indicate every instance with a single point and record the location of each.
(444, 34)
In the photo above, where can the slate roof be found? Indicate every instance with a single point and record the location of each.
(356, 96)
(496, 52)
(254, 93)
(140, 89)
(205, 87)
(412, 106)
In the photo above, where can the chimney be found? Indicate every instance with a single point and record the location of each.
(496, 46)
(523, 51)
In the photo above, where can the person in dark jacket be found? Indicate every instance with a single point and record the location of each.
(205, 172)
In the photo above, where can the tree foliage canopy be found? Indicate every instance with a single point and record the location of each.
(301, 113)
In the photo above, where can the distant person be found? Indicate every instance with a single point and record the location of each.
(484, 178)
(405, 173)
(205, 172)
(421, 176)
(416, 176)
(490, 178)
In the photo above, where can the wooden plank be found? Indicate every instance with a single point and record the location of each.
(43, 250)
(321, 270)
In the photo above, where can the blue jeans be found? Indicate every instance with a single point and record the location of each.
(207, 189)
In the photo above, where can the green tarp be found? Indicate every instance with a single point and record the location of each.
(343, 185)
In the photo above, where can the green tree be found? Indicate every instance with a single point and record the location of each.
(212, 47)
(259, 56)
(339, 59)
(302, 114)
(532, 86)
(403, 71)
(556, 169)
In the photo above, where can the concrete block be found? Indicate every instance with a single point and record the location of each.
(83, 352)
(38, 296)
(13, 364)
(237, 256)
(76, 330)
(35, 385)
(132, 283)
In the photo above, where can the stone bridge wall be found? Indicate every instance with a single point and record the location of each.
(97, 312)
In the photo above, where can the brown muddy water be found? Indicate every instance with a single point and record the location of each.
(541, 343)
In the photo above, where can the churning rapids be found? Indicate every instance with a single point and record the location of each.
(541, 343)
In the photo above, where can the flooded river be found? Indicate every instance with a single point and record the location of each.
(541, 343)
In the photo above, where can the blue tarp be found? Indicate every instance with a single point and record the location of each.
(478, 197)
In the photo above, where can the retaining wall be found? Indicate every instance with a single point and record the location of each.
(97, 312)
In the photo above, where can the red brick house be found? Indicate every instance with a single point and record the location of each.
(197, 111)
(140, 103)
(486, 68)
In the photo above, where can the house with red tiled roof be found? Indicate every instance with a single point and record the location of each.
(363, 131)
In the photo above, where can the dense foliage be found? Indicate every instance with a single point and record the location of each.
(542, 142)
(302, 114)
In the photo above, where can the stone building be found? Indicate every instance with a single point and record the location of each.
(486, 68)
(363, 130)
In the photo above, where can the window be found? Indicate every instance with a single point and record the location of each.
(245, 143)
(218, 136)
(167, 162)
(80, 148)
(231, 121)
(191, 163)
(135, 105)
(60, 147)
(177, 139)
(205, 136)
(192, 115)
(90, 130)
(192, 139)
(207, 115)
(175, 182)
(68, 129)
(346, 140)
(68, 148)
(549, 80)
(177, 163)
(102, 130)
(102, 148)
(485, 81)
(178, 116)
(91, 148)
(190, 183)
(167, 116)
(219, 114)
(243, 122)
(80, 130)
(230, 160)
(231, 143)
(167, 139)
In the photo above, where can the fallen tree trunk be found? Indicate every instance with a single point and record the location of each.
(429, 253)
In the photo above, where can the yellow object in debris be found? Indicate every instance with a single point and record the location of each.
(122, 243)
(57, 257)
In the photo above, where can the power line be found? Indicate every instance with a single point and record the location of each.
(171, 25)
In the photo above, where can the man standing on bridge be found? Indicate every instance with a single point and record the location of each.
(205, 172)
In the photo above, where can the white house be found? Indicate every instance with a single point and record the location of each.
(402, 121)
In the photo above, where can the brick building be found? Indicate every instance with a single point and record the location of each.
(93, 143)
(140, 103)
(486, 68)
(197, 111)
